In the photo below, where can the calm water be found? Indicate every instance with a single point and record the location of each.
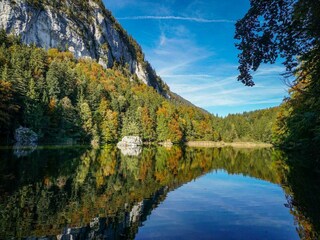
(156, 193)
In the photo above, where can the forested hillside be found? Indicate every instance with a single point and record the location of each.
(249, 126)
(61, 98)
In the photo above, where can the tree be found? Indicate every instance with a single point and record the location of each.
(175, 133)
(34, 112)
(278, 28)
(130, 125)
(163, 115)
(7, 105)
(86, 117)
(70, 123)
(108, 122)
(147, 124)
(288, 29)
(60, 80)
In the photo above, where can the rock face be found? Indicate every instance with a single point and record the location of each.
(25, 137)
(85, 28)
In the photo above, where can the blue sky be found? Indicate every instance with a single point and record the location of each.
(190, 44)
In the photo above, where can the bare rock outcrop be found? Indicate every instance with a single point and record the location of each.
(85, 28)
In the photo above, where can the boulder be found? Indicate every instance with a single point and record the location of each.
(21, 151)
(130, 146)
(130, 141)
(131, 151)
(25, 137)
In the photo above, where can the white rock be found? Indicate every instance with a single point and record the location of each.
(25, 137)
(130, 146)
(130, 141)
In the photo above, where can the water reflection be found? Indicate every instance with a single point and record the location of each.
(301, 183)
(101, 193)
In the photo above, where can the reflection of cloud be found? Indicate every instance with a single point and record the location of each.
(234, 197)
(191, 19)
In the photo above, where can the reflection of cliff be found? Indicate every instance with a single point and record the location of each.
(123, 227)
(103, 193)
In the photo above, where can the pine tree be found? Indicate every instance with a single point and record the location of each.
(34, 112)
(86, 118)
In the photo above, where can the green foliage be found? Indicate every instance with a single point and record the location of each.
(278, 28)
(60, 98)
(253, 126)
(288, 29)
(8, 108)
(298, 121)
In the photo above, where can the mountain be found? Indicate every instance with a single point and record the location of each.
(85, 28)
(70, 73)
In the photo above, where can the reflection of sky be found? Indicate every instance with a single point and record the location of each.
(222, 206)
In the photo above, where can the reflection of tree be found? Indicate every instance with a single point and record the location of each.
(73, 187)
(302, 187)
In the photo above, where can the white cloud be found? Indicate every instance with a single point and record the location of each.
(228, 92)
(142, 6)
(175, 52)
(199, 72)
(268, 70)
(183, 64)
(179, 18)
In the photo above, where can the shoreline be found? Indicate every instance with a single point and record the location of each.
(209, 144)
(204, 144)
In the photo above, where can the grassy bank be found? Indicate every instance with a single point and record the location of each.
(231, 144)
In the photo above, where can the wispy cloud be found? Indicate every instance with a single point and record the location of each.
(179, 18)
(191, 47)
(273, 69)
(227, 92)
(175, 52)
(183, 64)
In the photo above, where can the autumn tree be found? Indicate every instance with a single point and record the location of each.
(147, 124)
(108, 122)
(290, 30)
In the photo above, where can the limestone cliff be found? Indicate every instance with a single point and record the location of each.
(86, 28)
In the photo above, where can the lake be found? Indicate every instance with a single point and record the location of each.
(156, 193)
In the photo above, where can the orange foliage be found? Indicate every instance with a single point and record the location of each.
(52, 105)
(55, 54)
